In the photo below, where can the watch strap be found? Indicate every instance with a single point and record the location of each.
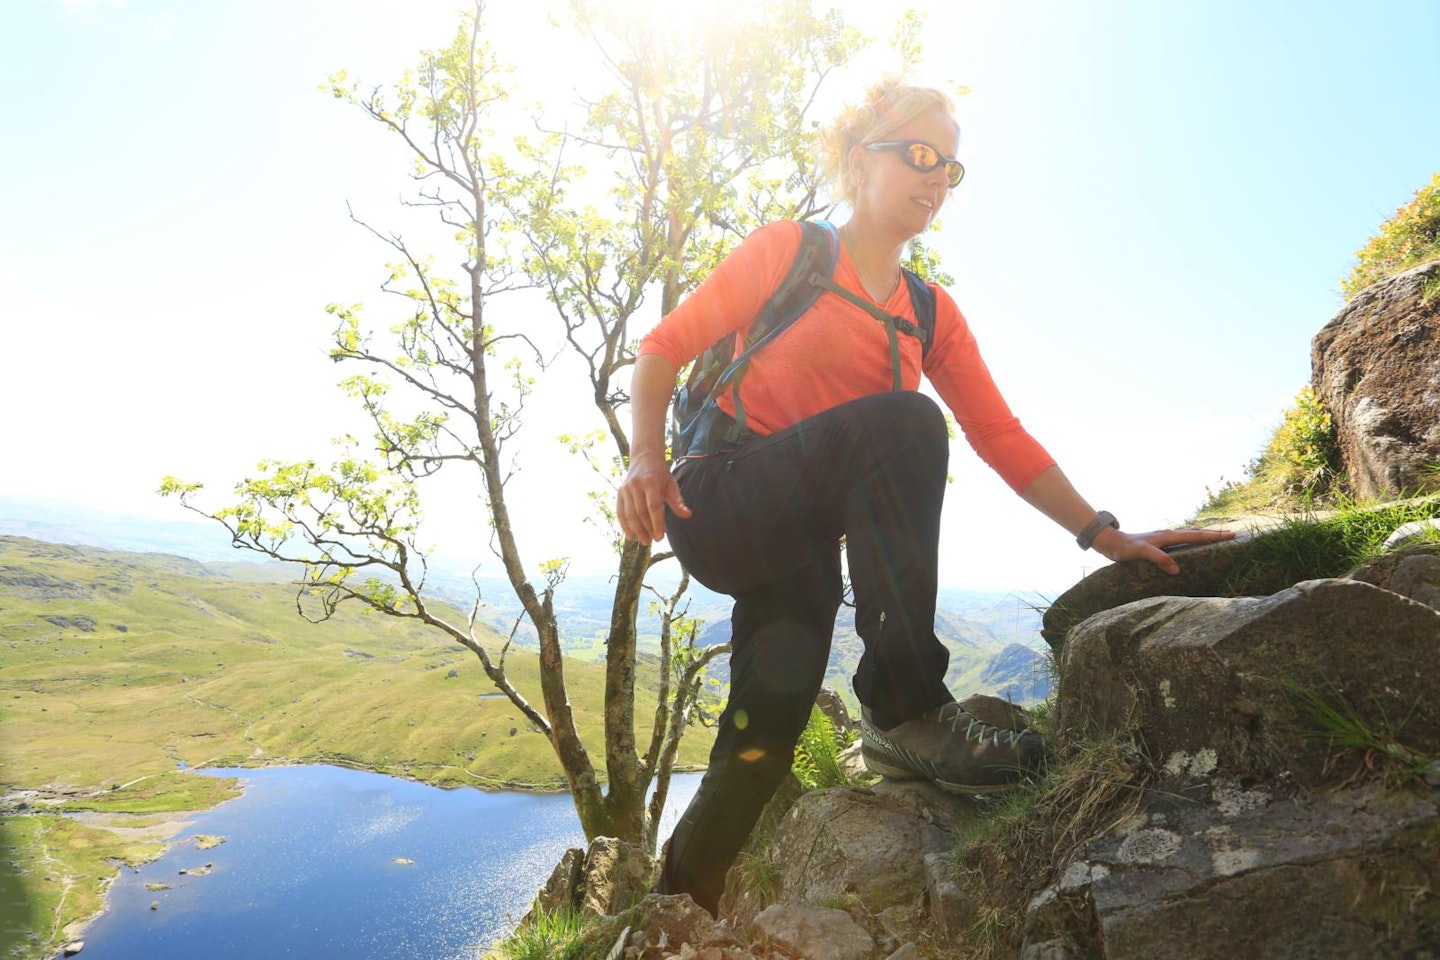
(1092, 529)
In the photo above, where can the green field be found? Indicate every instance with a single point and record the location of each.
(117, 667)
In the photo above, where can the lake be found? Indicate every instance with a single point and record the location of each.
(308, 869)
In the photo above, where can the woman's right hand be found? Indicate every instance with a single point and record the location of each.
(647, 489)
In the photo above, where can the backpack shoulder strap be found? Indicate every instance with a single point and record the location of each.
(922, 298)
(818, 253)
(814, 261)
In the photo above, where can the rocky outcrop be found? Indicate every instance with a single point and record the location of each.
(1233, 677)
(1345, 874)
(1245, 566)
(1376, 367)
(606, 878)
(1285, 798)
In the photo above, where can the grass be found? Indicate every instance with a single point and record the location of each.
(57, 872)
(156, 661)
(1331, 716)
(1299, 467)
(547, 936)
(755, 875)
(564, 935)
(1310, 547)
(1407, 239)
(1029, 835)
(1430, 288)
(167, 793)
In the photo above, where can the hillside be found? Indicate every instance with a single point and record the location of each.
(118, 665)
(975, 625)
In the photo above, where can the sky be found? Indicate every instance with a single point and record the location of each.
(1160, 202)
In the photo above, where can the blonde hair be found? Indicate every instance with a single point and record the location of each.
(887, 106)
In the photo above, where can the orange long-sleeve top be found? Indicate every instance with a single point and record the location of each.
(837, 352)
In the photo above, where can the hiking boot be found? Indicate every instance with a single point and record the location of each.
(953, 748)
(997, 712)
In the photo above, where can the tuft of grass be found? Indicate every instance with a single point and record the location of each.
(547, 936)
(1308, 546)
(1430, 288)
(1367, 526)
(755, 875)
(1330, 715)
(1029, 834)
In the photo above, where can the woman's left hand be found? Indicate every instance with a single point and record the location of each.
(1118, 545)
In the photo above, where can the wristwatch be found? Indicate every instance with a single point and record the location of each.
(1092, 529)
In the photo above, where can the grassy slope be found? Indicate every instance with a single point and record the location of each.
(178, 663)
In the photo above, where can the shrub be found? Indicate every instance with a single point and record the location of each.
(1303, 453)
(1409, 238)
(1300, 465)
(817, 753)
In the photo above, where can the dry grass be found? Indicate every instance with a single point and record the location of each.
(1033, 832)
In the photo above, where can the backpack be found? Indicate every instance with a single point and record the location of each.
(698, 426)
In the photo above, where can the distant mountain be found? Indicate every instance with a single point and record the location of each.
(78, 525)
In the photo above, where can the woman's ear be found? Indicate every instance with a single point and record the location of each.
(859, 157)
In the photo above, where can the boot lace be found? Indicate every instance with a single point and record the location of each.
(974, 728)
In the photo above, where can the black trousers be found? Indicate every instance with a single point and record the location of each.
(767, 527)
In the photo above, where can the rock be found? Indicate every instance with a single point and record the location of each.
(834, 708)
(1206, 570)
(614, 876)
(1179, 883)
(1376, 367)
(869, 847)
(1219, 677)
(1412, 572)
(738, 900)
(816, 933)
(676, 920)
(560, 891)
(74, 947)
(852, 764)
(1405, 533)
(951, 908)
(1059, 920)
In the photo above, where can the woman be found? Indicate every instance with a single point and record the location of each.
(837, 452)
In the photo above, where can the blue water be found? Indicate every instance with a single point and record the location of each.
(307, 870)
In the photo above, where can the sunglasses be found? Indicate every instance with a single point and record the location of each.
(919, 155)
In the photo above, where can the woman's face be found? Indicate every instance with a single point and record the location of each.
(891, 191)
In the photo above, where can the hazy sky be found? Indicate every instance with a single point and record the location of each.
(1160, 202)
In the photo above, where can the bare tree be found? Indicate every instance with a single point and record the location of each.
(700, 138)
